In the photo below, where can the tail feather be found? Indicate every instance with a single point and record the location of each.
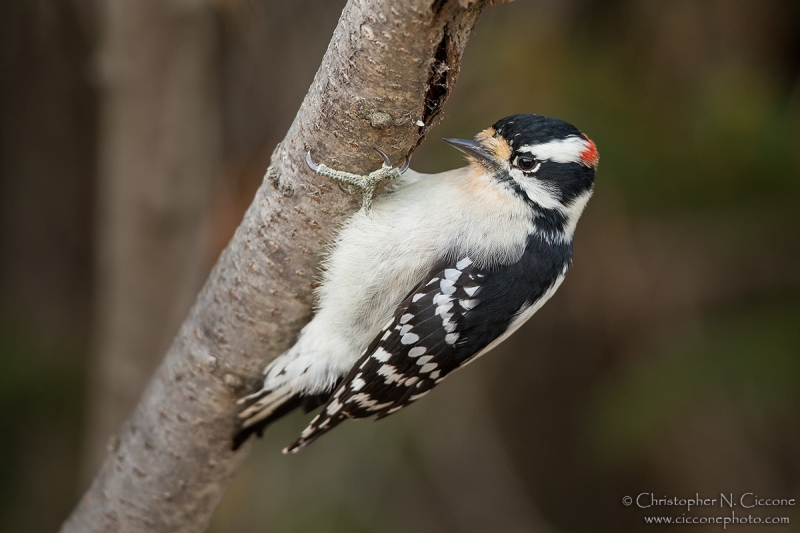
(315, 430)
(262, 407)
(269, 406)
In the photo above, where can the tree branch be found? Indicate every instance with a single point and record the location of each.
(385, 76)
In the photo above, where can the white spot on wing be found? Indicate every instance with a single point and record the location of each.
(334, 407)
(451, 338)
(424, 360)
(390, 373)
(443, 309)
(452, 274)
(468, 304)
(464, 263)
(357, 384)
(427, 368)
(416, 351)
(364, 400)
(409, 338)
(440, 299)
(417, 296)
(471, 290)
(446, 286)
(381, 355)
(406, 317)
(405, 329)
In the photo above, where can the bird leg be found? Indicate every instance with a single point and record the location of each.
(364, 184)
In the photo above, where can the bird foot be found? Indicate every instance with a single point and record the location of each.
(364, 184)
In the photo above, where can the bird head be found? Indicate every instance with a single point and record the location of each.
(546, 162)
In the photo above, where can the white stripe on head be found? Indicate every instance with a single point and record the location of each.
(538, 191)
(574, 210)
(573, 149)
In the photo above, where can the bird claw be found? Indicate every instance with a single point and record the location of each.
(366, 184)
(313, 166)
(343, 188)
(406, 163)
(387, 163)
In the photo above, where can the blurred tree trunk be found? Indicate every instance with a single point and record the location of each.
(159, 153)
(387, 72)
(47, 167)
(48, 115)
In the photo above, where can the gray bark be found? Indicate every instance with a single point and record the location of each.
(389, 67)
(159, 155)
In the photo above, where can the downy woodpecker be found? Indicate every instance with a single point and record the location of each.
(432, 275)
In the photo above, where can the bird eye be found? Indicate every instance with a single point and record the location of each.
(526, 163)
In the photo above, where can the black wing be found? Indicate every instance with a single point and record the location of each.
(453, 314)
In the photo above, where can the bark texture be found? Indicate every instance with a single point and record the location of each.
(386, 74)
(159, 156)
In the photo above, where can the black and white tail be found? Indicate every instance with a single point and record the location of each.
(264, 407)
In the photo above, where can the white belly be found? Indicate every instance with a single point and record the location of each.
(378, 258)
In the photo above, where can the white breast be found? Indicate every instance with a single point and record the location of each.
(378, 258)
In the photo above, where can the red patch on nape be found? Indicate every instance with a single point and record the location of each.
(590, 156)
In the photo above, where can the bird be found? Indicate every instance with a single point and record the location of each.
(431, 275)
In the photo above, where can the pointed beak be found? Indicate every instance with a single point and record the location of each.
(471, 148)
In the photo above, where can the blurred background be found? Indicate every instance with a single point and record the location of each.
(133, 135)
